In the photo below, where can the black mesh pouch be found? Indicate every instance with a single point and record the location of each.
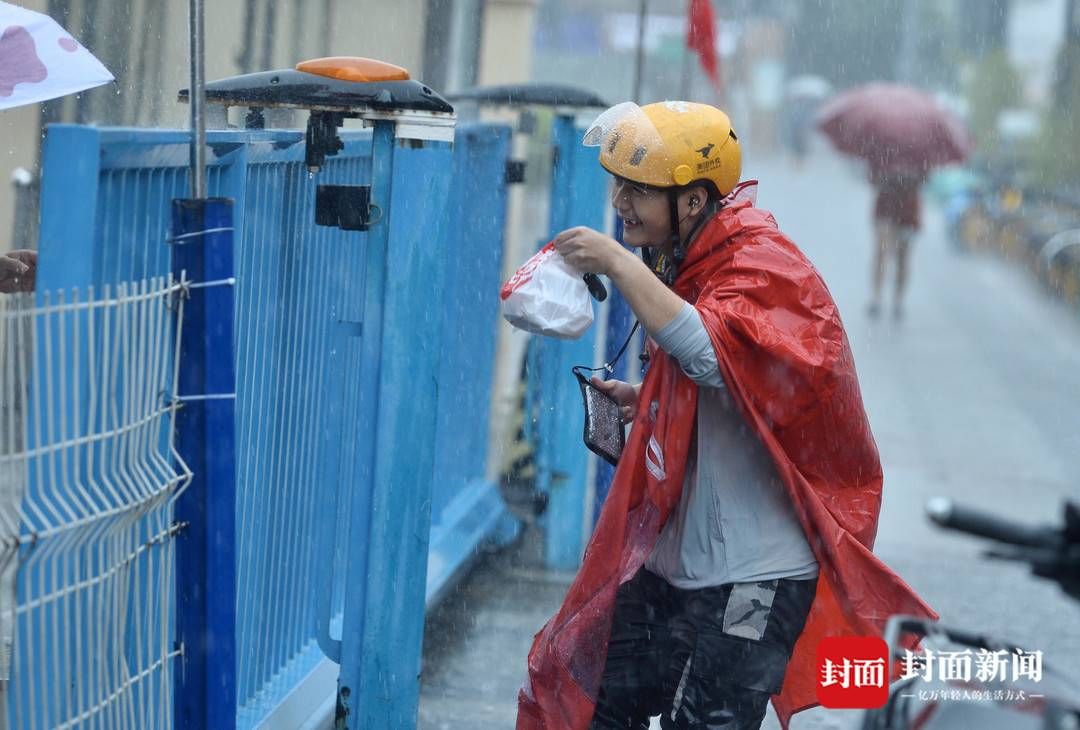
(603, 434)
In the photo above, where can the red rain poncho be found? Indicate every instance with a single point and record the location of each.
(785, 358)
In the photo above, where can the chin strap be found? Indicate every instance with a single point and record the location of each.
(665, 268)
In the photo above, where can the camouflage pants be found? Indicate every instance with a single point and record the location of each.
(700, 659)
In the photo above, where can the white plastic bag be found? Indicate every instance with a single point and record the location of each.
(547, 296)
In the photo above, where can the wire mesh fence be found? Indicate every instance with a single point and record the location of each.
(88, 481)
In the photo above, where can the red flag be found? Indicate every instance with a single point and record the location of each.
(701, 37)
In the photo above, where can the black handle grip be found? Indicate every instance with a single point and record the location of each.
(974, 522)
(596, 287)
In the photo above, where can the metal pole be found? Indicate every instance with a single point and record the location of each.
(1070, 56)
(639, 61)
(205, 678)
(329, 11)
(270, 32)
(684, 81)
(905, 62)
(198, 98)
(247, 52)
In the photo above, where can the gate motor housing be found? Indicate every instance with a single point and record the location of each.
(332, 90)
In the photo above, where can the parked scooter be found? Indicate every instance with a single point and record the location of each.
(1050, 702)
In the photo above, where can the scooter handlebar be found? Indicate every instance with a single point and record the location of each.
(952, 516)
(900, 625)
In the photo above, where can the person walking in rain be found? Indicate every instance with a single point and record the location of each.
(739, 526)
(896, 221)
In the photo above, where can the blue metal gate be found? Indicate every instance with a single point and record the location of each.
(364, 363)
(317, 310)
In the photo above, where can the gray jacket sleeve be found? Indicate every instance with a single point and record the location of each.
(686, 340)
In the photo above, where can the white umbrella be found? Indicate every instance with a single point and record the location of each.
(39, 60)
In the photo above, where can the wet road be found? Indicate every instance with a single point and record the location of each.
(975, 395)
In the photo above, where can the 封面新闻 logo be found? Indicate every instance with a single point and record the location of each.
(853, 672)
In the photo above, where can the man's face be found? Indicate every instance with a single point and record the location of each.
(644, 212)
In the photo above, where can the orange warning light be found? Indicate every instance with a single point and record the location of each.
(353, 68)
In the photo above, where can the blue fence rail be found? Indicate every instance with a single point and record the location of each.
(363, 365)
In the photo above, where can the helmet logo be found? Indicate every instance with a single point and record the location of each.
(639, 155)
(706, 150)
(711, 165)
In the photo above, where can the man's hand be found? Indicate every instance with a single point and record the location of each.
(18, 271)
(588, 251)
(623, 393)
(591, 252)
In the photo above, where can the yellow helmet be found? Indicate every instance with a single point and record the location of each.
(668, 144)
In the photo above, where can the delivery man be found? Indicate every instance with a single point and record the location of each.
(739, 526)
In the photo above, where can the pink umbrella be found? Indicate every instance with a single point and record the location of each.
(894, 128)
(39, 60)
